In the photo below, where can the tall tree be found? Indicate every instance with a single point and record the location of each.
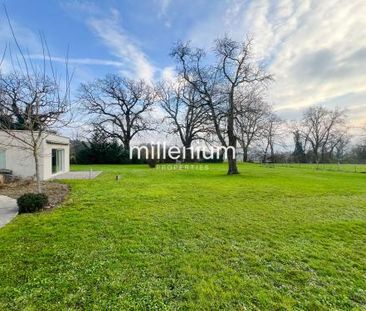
(35, 104)
(99, 149)
(339, 147)
(218, 83)
(271, 135)
(299, 152)
(184, 110)
(320, 128)
(358, 153)
(120, 106)
(252, 119)
(32, 100)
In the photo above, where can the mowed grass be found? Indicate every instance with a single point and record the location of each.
(351, 168)
(268, 239)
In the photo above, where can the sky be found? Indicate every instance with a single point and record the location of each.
(316, 49)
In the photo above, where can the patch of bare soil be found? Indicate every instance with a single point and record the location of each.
(56, 192)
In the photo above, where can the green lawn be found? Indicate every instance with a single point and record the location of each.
(351, 168)
(267, 239)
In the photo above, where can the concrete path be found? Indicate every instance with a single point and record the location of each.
(8, 210)
(78, 175)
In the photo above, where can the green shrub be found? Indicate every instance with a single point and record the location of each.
(32, 202)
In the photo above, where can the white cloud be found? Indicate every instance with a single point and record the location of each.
(111, 32)
(79, 61)
(163, 6)
(315, 49)
(168, 73)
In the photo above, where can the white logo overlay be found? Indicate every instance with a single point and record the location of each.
(160, 151)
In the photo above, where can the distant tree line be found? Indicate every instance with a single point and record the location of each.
(100, 149)
(218, 97)
(207, 101)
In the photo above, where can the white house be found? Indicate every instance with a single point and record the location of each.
(54, 155)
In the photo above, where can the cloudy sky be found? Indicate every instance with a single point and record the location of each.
(316, 49)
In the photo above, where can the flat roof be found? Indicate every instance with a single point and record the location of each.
(54, 142)
(44, 132)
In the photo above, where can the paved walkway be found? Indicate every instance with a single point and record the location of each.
(8, 209)
(78, 175)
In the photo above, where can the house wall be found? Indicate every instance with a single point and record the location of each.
(17, 157)
(48, 144)
(20, 160)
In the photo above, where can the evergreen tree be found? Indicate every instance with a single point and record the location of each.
(299, 152)
(99, 149)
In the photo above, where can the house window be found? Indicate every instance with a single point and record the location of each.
(58, 156)
(2, 159)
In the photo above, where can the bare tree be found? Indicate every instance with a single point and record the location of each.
(298, 155)
(339, 147)
(321, 128)
(33, 102)
(217, 84)
(184, 109)
(31, 105)
(119, 106)
(252, 119)
(272, 132)
(358, 152)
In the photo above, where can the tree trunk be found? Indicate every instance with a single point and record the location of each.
(322, 155)
(272, 152)
(316, 156)
(233, 169)
(38, 177)
(317, 160)
(264, 160)
(245, 154)
(188, 153)
(126, 145)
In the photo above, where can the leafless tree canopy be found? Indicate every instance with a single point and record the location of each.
(119, 106)
(323, 130)
(272, 134)
(32, 99)
(184, 110)
(252, 121)
(32, 103)
(218, 83)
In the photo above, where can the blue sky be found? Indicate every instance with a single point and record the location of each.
(315, 49)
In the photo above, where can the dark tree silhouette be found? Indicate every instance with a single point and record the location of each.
(234, 68)
(119, 106)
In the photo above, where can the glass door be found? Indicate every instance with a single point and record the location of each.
(57, 160)
(54, 161)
